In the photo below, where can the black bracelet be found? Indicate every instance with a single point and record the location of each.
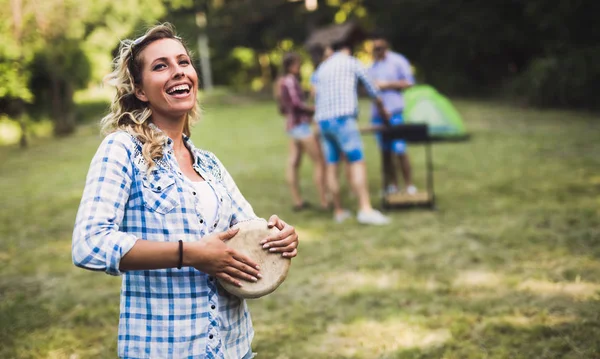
(180, 254)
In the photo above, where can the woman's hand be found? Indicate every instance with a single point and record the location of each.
(215, 258)
(285, 242)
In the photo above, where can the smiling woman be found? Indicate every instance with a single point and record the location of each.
(156, 210)
(136, 100)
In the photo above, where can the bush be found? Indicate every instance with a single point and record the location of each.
(568, 80)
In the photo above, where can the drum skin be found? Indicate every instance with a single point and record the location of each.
(273, 267)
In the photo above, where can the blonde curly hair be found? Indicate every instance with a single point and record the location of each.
(127, 112)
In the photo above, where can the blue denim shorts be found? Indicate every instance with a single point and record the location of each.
(395, 146)
(301, 131)
(341, 135)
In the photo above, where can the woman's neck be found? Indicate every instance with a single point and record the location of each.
(172, 128)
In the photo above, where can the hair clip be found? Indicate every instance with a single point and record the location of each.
(138, 40)
(142, 38)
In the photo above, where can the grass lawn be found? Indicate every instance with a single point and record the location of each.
(508, 267)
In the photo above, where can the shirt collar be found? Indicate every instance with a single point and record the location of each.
(168, 145)
(169, 142)
(385, 57)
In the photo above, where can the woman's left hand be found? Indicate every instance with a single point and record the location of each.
(285, 242)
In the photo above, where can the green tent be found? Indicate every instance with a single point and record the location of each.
(423, 104)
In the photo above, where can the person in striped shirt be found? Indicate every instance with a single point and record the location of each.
(336, 111)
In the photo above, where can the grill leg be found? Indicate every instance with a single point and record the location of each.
(384, 202)
(430, 186)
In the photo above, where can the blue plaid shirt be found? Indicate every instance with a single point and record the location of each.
(166, 313)
(336, 80)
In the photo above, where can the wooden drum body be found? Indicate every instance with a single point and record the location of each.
(273, 267)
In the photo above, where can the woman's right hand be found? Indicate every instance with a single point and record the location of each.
(213, 257)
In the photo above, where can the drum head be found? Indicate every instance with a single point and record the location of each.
(273, 266)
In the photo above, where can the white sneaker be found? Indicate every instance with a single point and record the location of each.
(373, 217)
(411, 190)
(391, 189)
(342, 216)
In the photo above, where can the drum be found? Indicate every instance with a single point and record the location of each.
(273, 267)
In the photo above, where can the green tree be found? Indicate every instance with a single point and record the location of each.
(63, 45)
(79, 49)
(14, 92)
(257, 27)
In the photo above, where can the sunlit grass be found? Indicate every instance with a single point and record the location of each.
(508, 267)
(577, 290)
(373, 339)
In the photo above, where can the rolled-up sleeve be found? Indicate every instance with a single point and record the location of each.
(363, 77)
(97, 242)
(404, 71)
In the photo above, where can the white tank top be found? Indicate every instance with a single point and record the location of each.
(208, 201)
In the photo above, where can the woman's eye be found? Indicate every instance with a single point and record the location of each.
(158, 67)
(184, 62)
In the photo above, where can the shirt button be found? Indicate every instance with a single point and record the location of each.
(201, 221)
(210, 336)
(212, 306)
(215, 225)
(159, 188)
(221, 199)
(194, 193)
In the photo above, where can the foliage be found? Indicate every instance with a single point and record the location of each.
(14, 89)
(64, 45)
(13, 78)
(540, 51)
(508, 267)
(262, 26)
(569, 79)
(459, 47)
(469, 47)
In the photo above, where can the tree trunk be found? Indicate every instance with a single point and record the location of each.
(17, 16)
(265, 70)
(63, 109)
(23, 124)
